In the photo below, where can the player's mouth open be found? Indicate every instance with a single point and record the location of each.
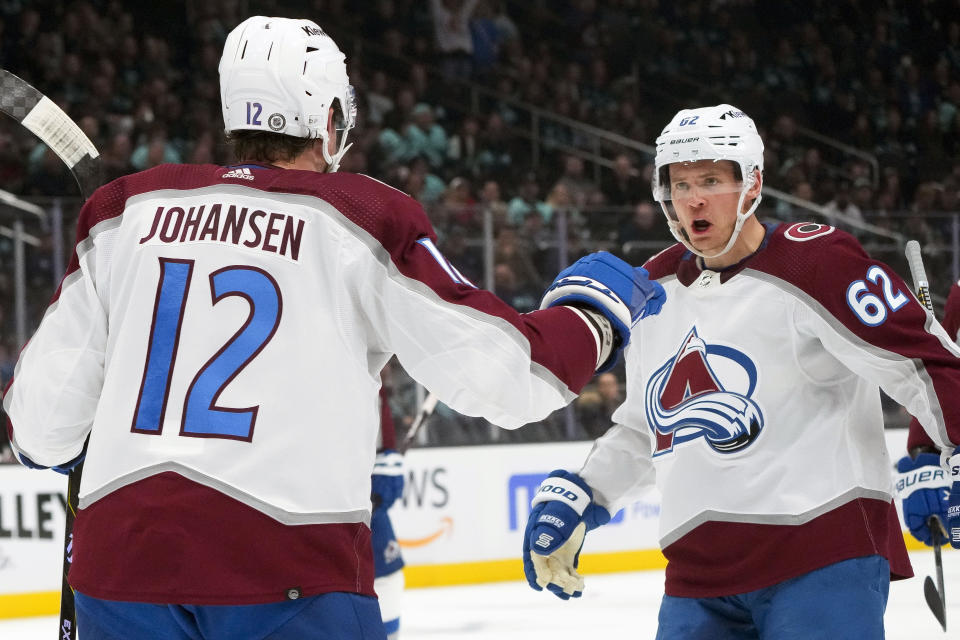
(699, 226)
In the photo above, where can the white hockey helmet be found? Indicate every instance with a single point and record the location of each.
(721, 132)
(284, 75)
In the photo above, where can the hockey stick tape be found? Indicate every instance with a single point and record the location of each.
(52, 125)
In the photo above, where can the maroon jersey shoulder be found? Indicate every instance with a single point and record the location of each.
(810, 255)
(829, 266)
(393, 218)
(666, 262)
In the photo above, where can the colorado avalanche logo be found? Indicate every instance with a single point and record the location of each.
(686, 400)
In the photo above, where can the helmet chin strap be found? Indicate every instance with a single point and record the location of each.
(676, 228)
(333, 162)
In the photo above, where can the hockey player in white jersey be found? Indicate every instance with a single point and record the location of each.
(219, 337)
(753, 404)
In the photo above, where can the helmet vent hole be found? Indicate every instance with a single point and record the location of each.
(312, 49)
(270, 51)
(308, 93)
(244, 52)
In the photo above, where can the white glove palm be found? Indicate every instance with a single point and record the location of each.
(558, 567)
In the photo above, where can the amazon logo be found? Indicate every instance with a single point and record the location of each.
(445, 527)
(426, 488)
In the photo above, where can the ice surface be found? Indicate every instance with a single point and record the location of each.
(622, 605)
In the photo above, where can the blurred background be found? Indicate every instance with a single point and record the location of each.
(525, 129)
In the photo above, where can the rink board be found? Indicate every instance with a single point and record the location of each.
(460, 521)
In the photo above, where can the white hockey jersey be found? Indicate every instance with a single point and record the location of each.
(753, 403)
(220, 335)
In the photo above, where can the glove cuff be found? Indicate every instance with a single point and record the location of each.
(388, 463)
(923, 477)
(590, 292)
(565, 491)
(606, 340)
(595, 516)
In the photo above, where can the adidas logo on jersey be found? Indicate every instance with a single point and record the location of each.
(242, 173)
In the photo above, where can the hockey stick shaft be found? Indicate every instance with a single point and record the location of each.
(419, 422)
(938, 604)
(422, 417)
(39, 114)
(919, 274)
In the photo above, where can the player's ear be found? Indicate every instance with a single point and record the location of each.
(331, 125)
(757, 186)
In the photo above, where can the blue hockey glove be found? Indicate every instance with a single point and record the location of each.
(387, 479)
(923, 488)
(562, 512)
(606, 284)
(953, 510)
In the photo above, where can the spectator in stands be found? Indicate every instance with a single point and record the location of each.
(154, 151)
(623, 186)
(574, 178)
(487, 38)
(628, 122)
(490, 201)
(425, 137)
(379, 102)
(377, 22)
(791, 212)
(451, 28)
(458, 203)
(513, 252)
(644, 234)
(203, 148)
(595, 406)
(892, 186)
(463, 148)
(527, 202)
(842, 204)
(49, 177)
(561, 205)
(12, 170)
(917, 226)
(521, 298)
(431, 187)
(864, 196)
(116, 157)
(497, 149)
(950, 196)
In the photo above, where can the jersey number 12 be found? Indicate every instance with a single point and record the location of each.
(202, 417)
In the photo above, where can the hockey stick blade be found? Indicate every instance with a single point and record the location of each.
(935, 595)
(39, 114)
(934, 602)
